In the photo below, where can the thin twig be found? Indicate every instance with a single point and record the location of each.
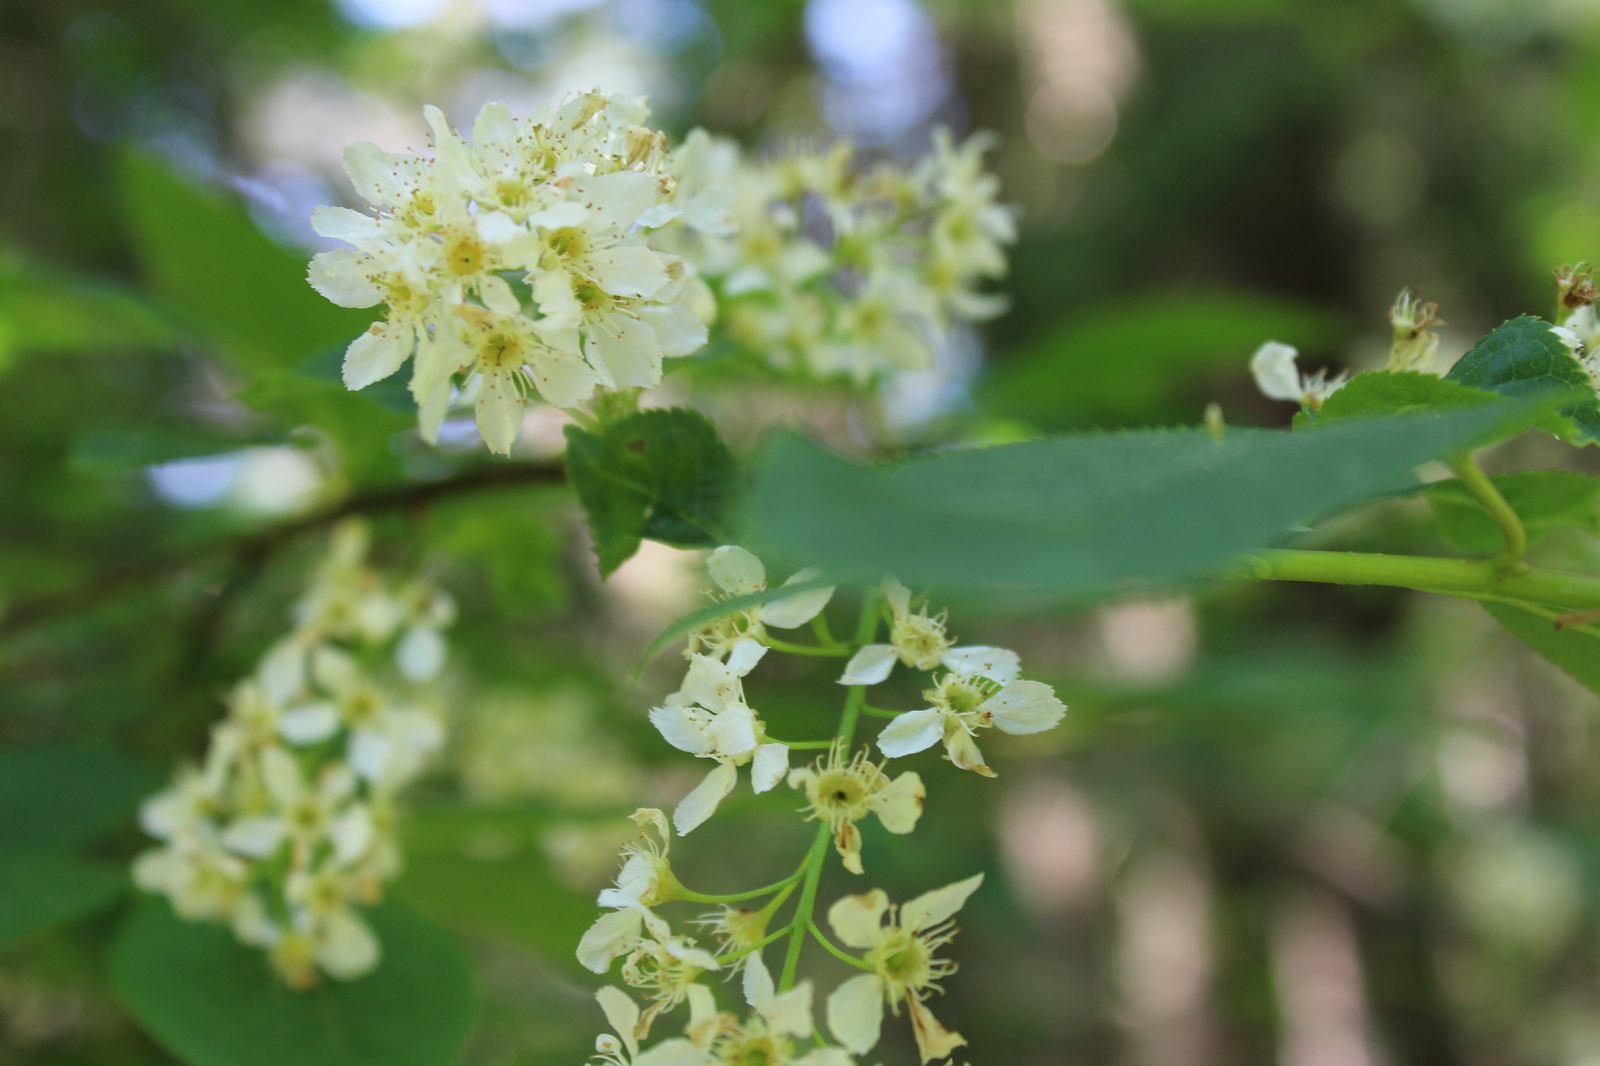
(30, 612)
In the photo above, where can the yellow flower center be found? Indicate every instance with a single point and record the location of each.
(902, 959)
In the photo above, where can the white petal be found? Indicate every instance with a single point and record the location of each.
(898, 595)
(376, 354)
(1275, 372)
(564, 215)
(745, 654)
(257, 836)
(996, 664)
(343, 224)
(622, 1013)
(334, 670)
(701, 804)
(791, 1012)
(309, 724)
(629, 351)
(736, 571)
(678, 329)
(373, 173)
(497, 295)
(825, 1056)
(758, 986)
(420, 654)
(771, 762)
(911, 732)
(710, 683)
(370, 754)
(931, 908)
(562, 377)
(802, 607)
(870, 665)
(498, 410)
(619, 198)
(347, 949)
(1025, 707)
(674, 1052)
(341, 276)
(352, 833)
(558, 305)
(607, 937)
(858, 920)
(733, 730)
(283, 671)
(899, 805)
(282, 776)
(629, 270)
(682, 729)
(855, 1012)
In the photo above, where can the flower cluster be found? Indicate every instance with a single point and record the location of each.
(288, 825)
(831, 270)
(972, 687)
(516, 263)
(1273, 366)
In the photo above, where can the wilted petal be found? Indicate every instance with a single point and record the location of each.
(857, 920)
(931, 908)
(701, 804)
(963, 751)
(997, 664)
(911, 732)
(899, 805)
(1275, 372)
(855, 1012)
(934, 1041)
(869, 666)
(1025, 707)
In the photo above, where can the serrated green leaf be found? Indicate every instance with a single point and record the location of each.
(1089, 514)
(226, 278)
(1545, 500)
(661, 474)
(59, 797)
(1575, 649)
(40, 892)
(1523, 358)
(214, 1002)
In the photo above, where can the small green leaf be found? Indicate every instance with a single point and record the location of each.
(215, 1002)
(1086, 514)
(1545, 500)
(661, 474)
(1575, 649)
(59, 797)
(1522, 358)
(42, 892)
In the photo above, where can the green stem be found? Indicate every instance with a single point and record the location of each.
(819, 626)
(737, 897)
(1478, 483)
(802, 911)
(879, 712)
(801, 745)
(836, 952)
(757, 946)
(1471, 578)
(838, 651)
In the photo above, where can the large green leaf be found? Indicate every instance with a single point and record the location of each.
(1545, 500)
(229, 281)
(661, 474)
(43, 310)
(1576, 649)
(41, 892)
(1522, 358)
(214, 1002)
(59, 797)
(1085, 514)
(1131, 361)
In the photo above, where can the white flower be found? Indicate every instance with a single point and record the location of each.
(981, 690)
(739, 573)
(1278, 379)
(1415, 343)
(768, 1035)
(919, 641)
(904, 970)
(842, 792)
(709, 718)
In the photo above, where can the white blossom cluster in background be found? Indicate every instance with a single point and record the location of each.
(288, 825)
(827, 269)
(570, 251)
(970, 688)
(559, 204)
